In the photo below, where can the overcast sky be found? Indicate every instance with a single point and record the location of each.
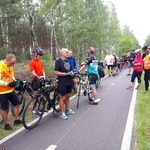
(135, 14)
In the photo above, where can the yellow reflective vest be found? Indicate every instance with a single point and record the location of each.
(6, 76)
(147, 62)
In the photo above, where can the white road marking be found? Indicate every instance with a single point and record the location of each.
(126, 142)
(51, 147)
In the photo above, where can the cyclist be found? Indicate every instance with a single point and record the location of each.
(7, 84)
(65, 82)
(37, 71)
(92, 69)
(73, 64)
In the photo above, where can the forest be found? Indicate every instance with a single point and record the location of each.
(53, 24)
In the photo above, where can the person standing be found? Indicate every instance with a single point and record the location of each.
(137, 69)
(65, 82)
(37, 71)
(131, 59)
(109, 62)
(73, 64)
(92, 69)
(7, 84)
(147, 68)
(37, 68)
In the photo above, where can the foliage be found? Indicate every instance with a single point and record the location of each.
(147, 40)
(75, 24)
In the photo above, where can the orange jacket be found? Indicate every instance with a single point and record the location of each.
(6, 76)
(147, 62)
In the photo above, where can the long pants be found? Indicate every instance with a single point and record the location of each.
(137, 75)
(147, 79)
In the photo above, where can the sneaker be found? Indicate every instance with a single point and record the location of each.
(137, 88)
(17, 122)
(36, 112)
(130, 87)
(7, 127)
(93, 103)
(63, 116)
(97, 100)
(70, 112)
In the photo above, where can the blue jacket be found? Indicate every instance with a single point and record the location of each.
(73, 63)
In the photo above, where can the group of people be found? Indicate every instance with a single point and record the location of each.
(65, 68)
(141, 63)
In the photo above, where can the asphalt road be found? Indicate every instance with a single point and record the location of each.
(99, 127)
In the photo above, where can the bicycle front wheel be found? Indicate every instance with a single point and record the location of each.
(33, 112)
(79, 93)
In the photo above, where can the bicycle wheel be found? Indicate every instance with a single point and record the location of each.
(33, 112)
(89, 92)
(79, 93)
(21, 102)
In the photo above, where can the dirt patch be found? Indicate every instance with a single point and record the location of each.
(22, 71)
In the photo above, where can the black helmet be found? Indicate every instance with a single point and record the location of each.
(39, 51)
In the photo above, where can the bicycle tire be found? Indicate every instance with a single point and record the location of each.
(29, 119)
(21, 103)
(89, 92)
(79, 94)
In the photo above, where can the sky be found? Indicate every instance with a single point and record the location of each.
(135, 14)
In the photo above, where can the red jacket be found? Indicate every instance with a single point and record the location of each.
(136, 66)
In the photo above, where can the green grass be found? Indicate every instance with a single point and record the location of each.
(142, 119)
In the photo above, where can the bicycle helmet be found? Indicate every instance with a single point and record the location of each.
(39, 51)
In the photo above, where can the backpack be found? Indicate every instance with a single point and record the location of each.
(101, 71)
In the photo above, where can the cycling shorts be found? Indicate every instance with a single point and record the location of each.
(65, 90)
(12, 97)
(92, 79)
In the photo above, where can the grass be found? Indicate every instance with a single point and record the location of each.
(142, 120)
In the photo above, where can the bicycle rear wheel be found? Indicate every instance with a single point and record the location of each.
(33, 112)
(90, 94)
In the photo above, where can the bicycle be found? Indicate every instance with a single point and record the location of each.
(83, 87)
(39, 102)
(22, 87)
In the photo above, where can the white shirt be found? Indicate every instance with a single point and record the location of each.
(109, 59)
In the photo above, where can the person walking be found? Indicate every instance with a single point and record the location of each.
(7, 84)
(65, 82)
(137, 69)
(92, 69)
(147, 68)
